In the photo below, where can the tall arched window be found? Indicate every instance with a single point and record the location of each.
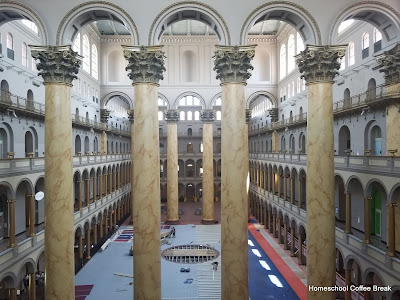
(10, 41)
(196, 115)
(160, 116)
(282, 61)
(292, 88)
(189, 116)
(218, 115)
(351, 57)
(289, 90)
(86, 54)
(365, 40)
(300, 43)
(291, 52)
(377, 40)
(24, 55)
(298, 85)
(77, 43)
(95, 69)
(365, 45)
(182, 115)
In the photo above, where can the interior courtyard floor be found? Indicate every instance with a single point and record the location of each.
(273, 274)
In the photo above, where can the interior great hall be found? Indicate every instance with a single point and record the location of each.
(262, 137)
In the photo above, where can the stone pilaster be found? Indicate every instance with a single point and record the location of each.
(319, 65)
(232, 65)
(58, 65)
(145, 66)
(389, 63)
(172, 117)
(208, 117)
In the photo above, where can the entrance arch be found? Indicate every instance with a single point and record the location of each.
(290, 13)
(86, 13)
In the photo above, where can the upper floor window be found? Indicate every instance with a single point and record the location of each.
(293, 88)
(343, 63)
(10, 41)
(351, 57)
(291, 51)
(77, 43)
(377, 40)
(24, 53)
(161, 102)
(344, 25)
(95, 70)
(182, 115)
(189, 116)
(218, 101)
(160, 116)
(300, 43)
(218, 115)
(289, 91)
(189, 101)
(298, 85)
(86, 54)
(32, 26)
(282, 61)
(197, 115)
(365, 40)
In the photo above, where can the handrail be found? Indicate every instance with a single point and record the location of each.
(20, 102)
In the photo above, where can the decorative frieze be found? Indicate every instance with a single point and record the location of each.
(233, 62)
(273, 113)
(208, 115)
(104, 115)
(320, 63)
(172, 115)
(145, 63)
(248, 115)
(131, 115)
(57, 64)
(389, 64)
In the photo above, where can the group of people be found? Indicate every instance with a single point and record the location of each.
(172, 232)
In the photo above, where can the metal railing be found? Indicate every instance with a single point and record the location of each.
(14, 101)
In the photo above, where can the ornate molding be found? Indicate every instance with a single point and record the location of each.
(172, 115)
(177, 4)
(233, 62)
(389, 64)
(91, 5)
(293, 6)
(273, 113)
(208, 115)
(248, 115)
(131, 115)
(58, 64)
(320, 63)
(145, 63)
(104, 115)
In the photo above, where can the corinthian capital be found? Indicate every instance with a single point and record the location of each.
(320, 63)
(208, 115)
(104, 115)
(57, 64)
(172, 115)
(233, 62)
(389, 64)
(131, 115)
(248, 115)
(145, 63)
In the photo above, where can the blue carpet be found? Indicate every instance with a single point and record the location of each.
(260, 285)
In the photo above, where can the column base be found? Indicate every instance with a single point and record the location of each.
(209, 222)
(172, 222)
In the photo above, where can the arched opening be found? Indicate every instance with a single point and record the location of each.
(346, 98)
(86, 145)
(78, 146)
(3, 143)
(371, 90)
(376, 140)
(189, 148)
(190, 168)
(29, 100)
(189, 131)
(190, 192)
(161, 148)
(344, 142)
(29, 150)
(5, 92)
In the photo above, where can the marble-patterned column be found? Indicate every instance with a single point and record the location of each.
(87, 197)
(32, 286)
(13, 293)
(232, 65)
(101, 228)
(94, 234)
(103, 143)
(208, 117)
(274, 225)
(347, 280)
(106, 191)
(284, 187)
(319, 65)
(172, 117)
(11, 222)
(389, 64)
(367, 220)
(300, 252)
(100, 187)
(291, 190)
(391, 231)
(285, 236)
(58, 66)
(88, 244)
(348, 212)
(80, 248)
(106, 222)
(280, 230)
(270, 228)
(146, 65)
(292, 241)
(79, 195)
(94, 189)
(299, 193)
(31, 215)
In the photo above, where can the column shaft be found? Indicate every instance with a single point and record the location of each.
(234, 193)
(347, 278)
(79, 195)
(11, 222)
(291, 190)
(292, 242)
(320, 190)
(208, 176)
(172, 174)
(390, 229)
(94, 189)
(88, 244)
(146, 194)
(87, 182)
(348, 213)
(32, 286)
(367, 213)
(31, 220)
(285, 236)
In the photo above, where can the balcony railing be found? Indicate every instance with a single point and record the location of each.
(369, 97)
(20, 103)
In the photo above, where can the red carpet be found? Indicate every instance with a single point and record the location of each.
(298, 287)
(82, 291)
